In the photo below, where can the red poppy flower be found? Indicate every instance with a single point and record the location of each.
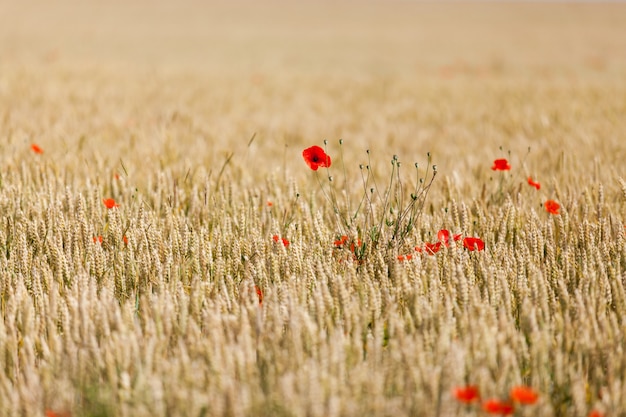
(315, 157)
(97, 239)
(354, 247)
(270, 204)
(418, 249)
(125, 239)
(444, 236)
(405, 257)
(116, 176)
(595, 413)
(524, 395)
(50, 413)
(552, 207)
(533, 183)
(110, 203)
(501, 165)
(432, 248)
(473, 243)
(339, 242)
(36, 149)
(466, 394)
(495, 406)
(277, 238)
(259, 294)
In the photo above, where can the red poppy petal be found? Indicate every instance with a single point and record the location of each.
(259, 294)
(494, 406)
(466, 394)
(533, 183)
(109, 203)
(473, 243)
(444, 236)
(524, 395)
(552, 207)
(432, 248)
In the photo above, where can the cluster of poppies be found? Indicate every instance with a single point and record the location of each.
(443, 236)
(315, 157)
(522, 395)
(355, 246)
(283, 240)
(352, 244)
(502, 164)
(445, 239)
(518, 395)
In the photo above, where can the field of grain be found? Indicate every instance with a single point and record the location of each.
(219, 284)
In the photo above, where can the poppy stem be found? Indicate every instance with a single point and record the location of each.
(345, 177)
(365, 182)
(386, 201)
(330, 200)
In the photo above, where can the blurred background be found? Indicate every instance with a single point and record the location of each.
(187, 83)
(441, 38)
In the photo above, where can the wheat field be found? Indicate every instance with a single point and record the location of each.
(183, 299)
